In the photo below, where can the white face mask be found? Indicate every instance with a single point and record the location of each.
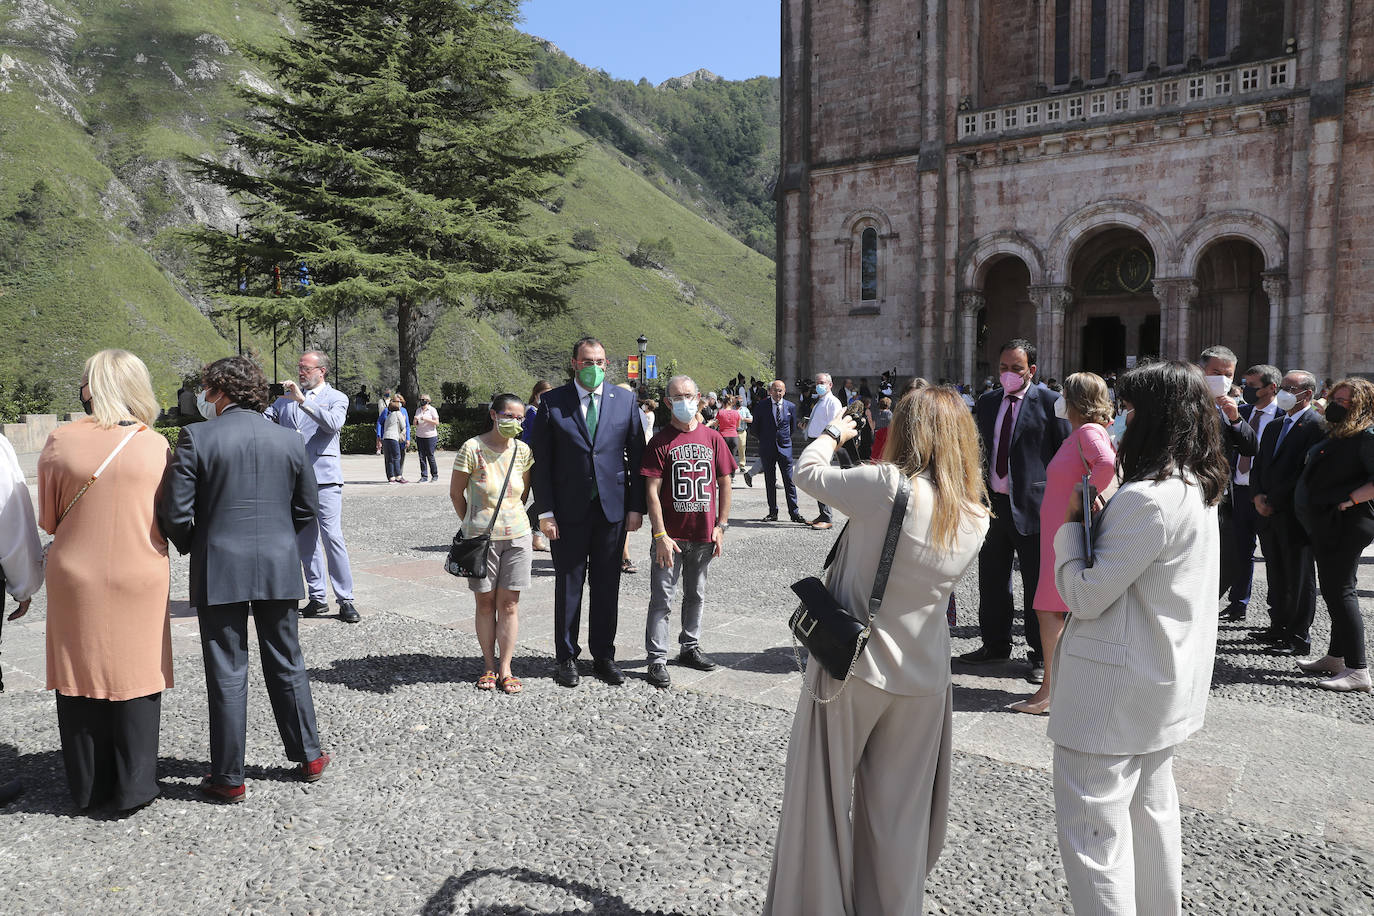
(1286, 400)
(207, 409)
(1118, 428)
(1061, 409)
(1217, 385)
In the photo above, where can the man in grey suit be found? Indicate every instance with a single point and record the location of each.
(317, 411)
(235, 495)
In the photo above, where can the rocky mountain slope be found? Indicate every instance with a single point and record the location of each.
(98, 103)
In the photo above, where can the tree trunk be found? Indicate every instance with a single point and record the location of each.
(409, 343)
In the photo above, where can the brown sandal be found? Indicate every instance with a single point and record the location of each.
(511, 685)
(487, 681)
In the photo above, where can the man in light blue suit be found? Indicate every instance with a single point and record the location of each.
(317, 411)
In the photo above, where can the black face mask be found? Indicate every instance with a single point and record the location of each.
(1337, 413)
(1249, 395)
(85, 404)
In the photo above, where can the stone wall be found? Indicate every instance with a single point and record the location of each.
(30, 435)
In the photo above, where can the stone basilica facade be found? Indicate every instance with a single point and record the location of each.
(1115, 179)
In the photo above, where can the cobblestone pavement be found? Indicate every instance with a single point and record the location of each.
(630, 800)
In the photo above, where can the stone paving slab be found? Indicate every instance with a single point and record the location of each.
(631, 800)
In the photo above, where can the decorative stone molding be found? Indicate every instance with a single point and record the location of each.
(971, 302)
(1108, 214)
(1260, 230)
(982, 253)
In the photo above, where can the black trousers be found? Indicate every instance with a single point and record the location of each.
(996, 608)
(1299, 600)
(224, 646)
(843, 458)
(425, 445)
(591, 548)
(1337, 571)
(109, 749)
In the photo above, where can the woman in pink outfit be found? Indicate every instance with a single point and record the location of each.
(1087, 405)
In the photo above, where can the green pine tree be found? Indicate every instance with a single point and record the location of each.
(395, 161)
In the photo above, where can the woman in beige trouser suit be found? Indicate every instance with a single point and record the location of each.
(1132, 670)
(885, 742)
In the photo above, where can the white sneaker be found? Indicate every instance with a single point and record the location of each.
(1348, 681)
(1329, 665)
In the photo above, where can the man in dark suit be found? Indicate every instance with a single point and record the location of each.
(588, 440)
(1218, 366)
(774, 419)
(1259, 409)
(1274, 477)
(236, 494)
(1020, 434)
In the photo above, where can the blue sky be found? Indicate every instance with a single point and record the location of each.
(660, 39)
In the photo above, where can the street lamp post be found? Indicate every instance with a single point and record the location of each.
(643, 349)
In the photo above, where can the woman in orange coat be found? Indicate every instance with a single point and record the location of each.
(109, 637)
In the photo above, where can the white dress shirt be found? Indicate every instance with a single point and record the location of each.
(21, 553)
(1267, 413)
(826, 411)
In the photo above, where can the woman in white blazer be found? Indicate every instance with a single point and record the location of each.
(867, 786)
(1134, 665)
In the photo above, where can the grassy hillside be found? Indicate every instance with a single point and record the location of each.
(97, 102)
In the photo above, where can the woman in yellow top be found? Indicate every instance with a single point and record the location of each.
(109, 636)
(476, 491)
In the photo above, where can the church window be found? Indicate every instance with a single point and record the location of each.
(1009, 119)
(1135, 36)
(989, 120)
(1032, 115)
(970, 124)
(1175, 32)
(1145, 97)
(1121, 100)
(1221, 84)
(868, 266)
(1076, 107)
(1249, 79)
(1063, 20)
(1098, 52)
(1054, 111)
(1169, 93)
(1197, 88)
(1216, 28)
(1278, 74)
(1099, 103)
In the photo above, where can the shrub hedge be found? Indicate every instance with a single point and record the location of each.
(361, 438)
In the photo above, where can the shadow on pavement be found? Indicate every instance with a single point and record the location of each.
(445, 900)
(777, 660)
(384, 673)
(984, 699)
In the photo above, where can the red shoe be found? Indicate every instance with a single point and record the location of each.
(222, 793)
(309, 772)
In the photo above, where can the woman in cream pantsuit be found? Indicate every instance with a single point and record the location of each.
(1134, 665)
(867, 786)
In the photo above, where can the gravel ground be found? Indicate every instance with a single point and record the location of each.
(611, 801)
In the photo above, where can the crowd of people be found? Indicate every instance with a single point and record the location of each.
(1182, 474)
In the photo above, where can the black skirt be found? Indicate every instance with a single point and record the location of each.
(109, 748)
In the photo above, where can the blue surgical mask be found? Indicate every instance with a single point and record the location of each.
(1118, 428)
(684, 411)
(207, 410)
(821, 390)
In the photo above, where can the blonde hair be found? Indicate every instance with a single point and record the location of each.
(932, 430)
(1361, 408)
(398, 398)
(1086, 392)
(121, 388)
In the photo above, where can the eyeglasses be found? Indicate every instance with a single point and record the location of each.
(510, 416)
(592, 362)
(1294, 389)
(1344, 402)
(678, 399)
(308, 368)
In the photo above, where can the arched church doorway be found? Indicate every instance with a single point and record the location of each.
(1232, 308)
(1007, 312)
(1114, 320)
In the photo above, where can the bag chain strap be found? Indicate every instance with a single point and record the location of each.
(894, 530)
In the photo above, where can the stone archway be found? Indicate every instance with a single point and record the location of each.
(1115, 318)
(1233, 306)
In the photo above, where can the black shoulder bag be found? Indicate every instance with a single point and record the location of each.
(832, 635)
(467, 557)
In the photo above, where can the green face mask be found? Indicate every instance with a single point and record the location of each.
(509, 428)
(591, 376)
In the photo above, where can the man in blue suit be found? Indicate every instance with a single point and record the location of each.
(317, 411)
(588, 440)
(1020, 434)
(774, 419)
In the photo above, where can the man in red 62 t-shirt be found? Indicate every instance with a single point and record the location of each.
(686, 468)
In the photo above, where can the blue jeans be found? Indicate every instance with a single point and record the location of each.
(425, 445)
(690, 566)
(394, 455)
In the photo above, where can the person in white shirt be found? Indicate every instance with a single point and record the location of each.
(427, 439)
(21, 554)
(826, 410)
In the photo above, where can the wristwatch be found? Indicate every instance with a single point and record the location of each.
(833, 431)
(722, 524)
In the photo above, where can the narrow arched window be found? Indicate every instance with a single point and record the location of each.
(868, 266)
(1216, 28)
(1063, 21)
(1174, 50)
(1135, 36)
(1097, 62)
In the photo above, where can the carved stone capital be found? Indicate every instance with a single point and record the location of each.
(1275, 287)
(1054, 299)
(971, 301)
(1179, 291)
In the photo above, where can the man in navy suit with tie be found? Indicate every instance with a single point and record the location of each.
(1020, 434)
(1273, 479)
(588, 440)
(774, 419)
(1258, 411)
